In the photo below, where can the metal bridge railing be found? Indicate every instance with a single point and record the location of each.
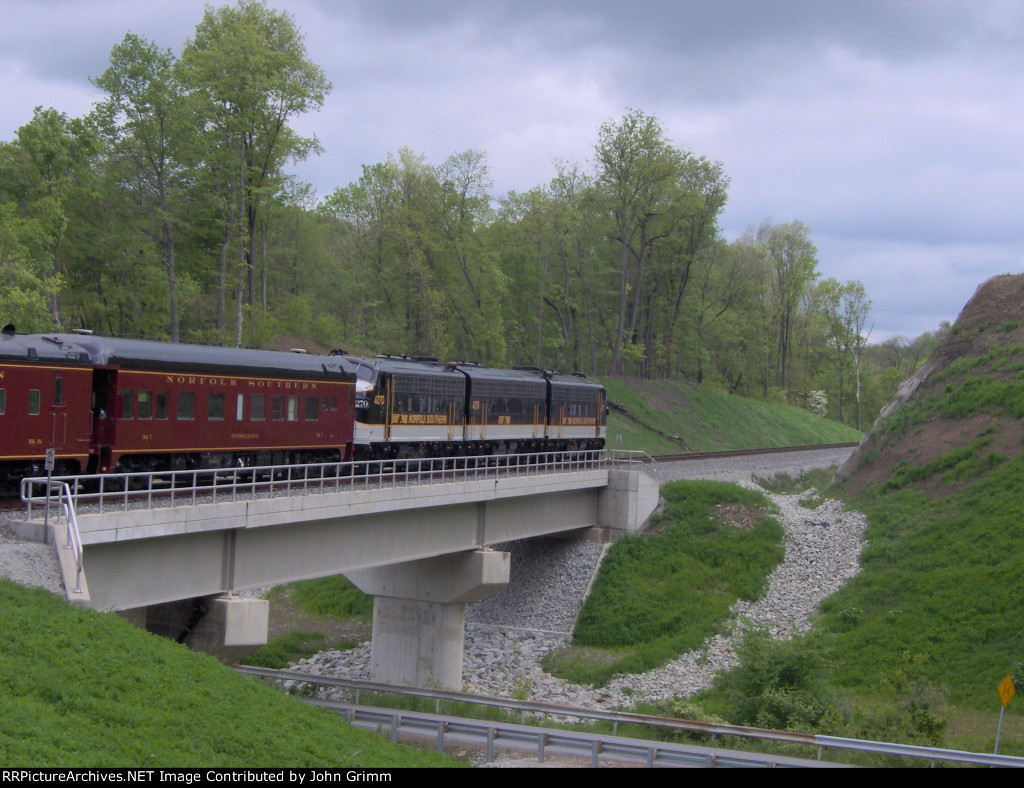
(122, 491)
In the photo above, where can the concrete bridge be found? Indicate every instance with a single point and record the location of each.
(171, 555)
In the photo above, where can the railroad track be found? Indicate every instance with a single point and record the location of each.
(711, 455)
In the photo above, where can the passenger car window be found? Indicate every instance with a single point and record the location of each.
(127, 404)
(145, 404)
(33, 402)
(215, 407)
(258, 407)
(186, 406)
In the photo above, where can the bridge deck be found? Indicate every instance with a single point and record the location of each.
(146, 552)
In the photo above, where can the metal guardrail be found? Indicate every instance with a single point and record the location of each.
(714, 730)
(123, 491)
(543, 741)
(547, 742)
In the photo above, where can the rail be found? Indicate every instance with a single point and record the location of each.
(713, 730)
(123, 491)
(73, 541)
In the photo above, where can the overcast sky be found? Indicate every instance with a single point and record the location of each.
(894, 130)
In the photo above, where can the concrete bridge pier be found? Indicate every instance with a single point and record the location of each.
(226, 626)
(419, 614)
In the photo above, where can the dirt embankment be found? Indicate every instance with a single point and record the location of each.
(992, 319)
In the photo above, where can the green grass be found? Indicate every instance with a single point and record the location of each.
(85, 689)
(709, 420)
(943, 578)
(662, 594)
(293, 647)
(942, 575)
(332, 597)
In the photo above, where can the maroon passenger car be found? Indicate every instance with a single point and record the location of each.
(161, 406)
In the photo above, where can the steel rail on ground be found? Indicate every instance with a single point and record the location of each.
(711, 455)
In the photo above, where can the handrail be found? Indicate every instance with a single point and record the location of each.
(630, 456)
(121, 491)
(73, 539)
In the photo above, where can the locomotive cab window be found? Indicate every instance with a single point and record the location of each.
(186, 406)
(33, 402)
(215, 407)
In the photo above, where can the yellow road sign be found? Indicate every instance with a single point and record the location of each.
(1006, 689)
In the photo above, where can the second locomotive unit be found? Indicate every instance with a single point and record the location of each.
(418, 407)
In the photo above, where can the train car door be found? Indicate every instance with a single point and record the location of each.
(58, 415)
(104, 401)
(389, 405)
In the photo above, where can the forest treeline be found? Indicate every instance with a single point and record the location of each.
(169, 212)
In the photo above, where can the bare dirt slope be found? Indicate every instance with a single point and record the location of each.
(992, 320)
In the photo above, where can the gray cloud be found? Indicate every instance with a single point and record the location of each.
(892, 129)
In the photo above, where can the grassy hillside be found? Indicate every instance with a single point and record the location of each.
(670, 417)
(943, 576)
(87, 689)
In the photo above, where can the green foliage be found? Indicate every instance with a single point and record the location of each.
(292, 648)
(904, 707)
(662, 594)
(85, 689)
(956, 465)
(169, 212)
(941, 578)
(780, 684)
(786, 685)
(333, 596)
